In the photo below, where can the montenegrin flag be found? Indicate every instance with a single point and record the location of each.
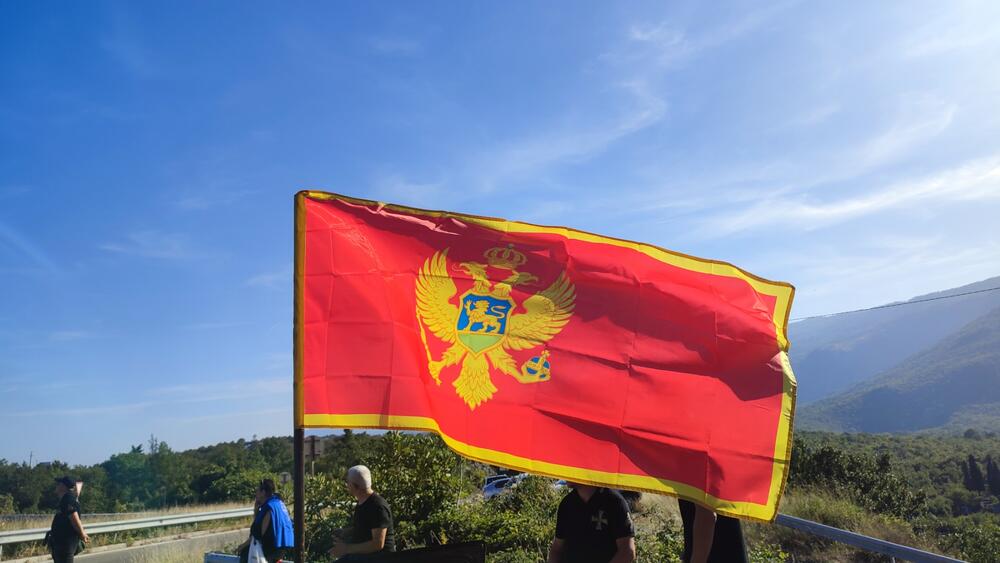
(545, 349)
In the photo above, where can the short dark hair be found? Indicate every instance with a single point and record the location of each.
(67, 481)
(267, 486)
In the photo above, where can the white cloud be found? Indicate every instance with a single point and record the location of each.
(211, 197)
(921, 119)
(394, 45)
(671, 45)
(218, 325)
(72, 335)
(972, 181)
(18, 243)
(639, 109)
(152, 244)
(221, 390)
(272, 280)
(833, 278)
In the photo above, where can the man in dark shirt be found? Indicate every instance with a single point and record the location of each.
(593, 525)
(371, 528)
(67, 529)
(709, 538)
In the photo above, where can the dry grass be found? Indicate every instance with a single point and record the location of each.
(135, 536)
(44, 520)
(828, 509)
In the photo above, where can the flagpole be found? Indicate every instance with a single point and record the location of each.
(299, 472)
(300, 496)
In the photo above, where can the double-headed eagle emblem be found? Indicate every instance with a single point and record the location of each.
(482, 327)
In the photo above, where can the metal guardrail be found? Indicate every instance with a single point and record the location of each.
(38, 534)
(875, 545)
(16, 517)
(860, 541)
(212, 557)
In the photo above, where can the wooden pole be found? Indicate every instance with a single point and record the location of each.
(299, 472)
(300, 496)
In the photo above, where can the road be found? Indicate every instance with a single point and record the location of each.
(181, 549)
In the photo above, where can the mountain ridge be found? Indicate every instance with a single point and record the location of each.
(830, 355)
(950, 386)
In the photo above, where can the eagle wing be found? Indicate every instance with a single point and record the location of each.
(547, 312)
(435, 288)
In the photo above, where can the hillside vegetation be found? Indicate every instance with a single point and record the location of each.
(934, 492)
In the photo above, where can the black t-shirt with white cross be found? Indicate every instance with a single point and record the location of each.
(591, 529)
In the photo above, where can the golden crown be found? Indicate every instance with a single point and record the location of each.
(505, 258)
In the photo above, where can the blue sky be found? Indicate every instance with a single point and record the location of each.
(149, 153)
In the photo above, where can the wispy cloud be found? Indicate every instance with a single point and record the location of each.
(131, 406)
(211, 197)
(672, 45)
(921, 118)
(17, 243)
(241, 414)
(12, 191)
(889, 270)
(224, 391)
(219, 325)
(951, 30)
(972, 181)
(394, 187)
(124, 45)
(814, 116)
(152, 244)
(640, 109)
(395, 45)
(272, 280)
(72, 335)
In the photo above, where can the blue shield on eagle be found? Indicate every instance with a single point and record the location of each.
(482, 321)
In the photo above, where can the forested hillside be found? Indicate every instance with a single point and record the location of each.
(951, 386)
(832, 354)
(935, 492)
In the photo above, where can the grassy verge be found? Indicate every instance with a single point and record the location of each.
(825, 508)
(132, 537)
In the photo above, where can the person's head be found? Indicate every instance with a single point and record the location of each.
(584, 491)
(359, 480)
(265, 490)
(64, 485)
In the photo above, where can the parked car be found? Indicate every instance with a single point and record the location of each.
(495, 487)
(502, 482)
(492, 478)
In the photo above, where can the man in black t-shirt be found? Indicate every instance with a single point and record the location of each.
(371, 527)
(709, 538)
(593, 525)
(67, 530)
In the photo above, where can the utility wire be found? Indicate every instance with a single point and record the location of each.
(900, 304)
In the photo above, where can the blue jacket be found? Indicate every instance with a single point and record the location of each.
(281, 523)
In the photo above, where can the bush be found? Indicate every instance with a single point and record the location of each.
(238, 487)
(868, 480)
(6, 504)
(518, 523)
(416, 474)
(978, 541)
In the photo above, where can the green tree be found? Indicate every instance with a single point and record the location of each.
(993, 476)
(974, 480)
(6, 504)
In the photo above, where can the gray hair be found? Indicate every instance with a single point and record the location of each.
(360, 476)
